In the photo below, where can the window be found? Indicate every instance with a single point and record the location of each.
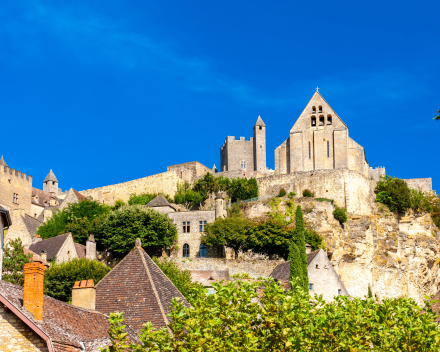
(329, 119)
(261, 146)
(320, 109)
(35, 215)
(181, 174)
(261, 127)
(310, 152)
(186, 227)
(313, 121)
(202, 250)
(314, 109)
(328, 149)
(321, 120)
(317, 266)
(339, 292)
(310, 287)
(243, 164)
(15, 198)
(211, 291)
(186, 250)
(202, 225)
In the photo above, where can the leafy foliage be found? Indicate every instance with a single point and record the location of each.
(60, 278)
(233, 320)
(145, 198)
(119, 230)
(79, 218)
(291, 195)
(186, 196)
(282, 192)
(119, 203)
(301, 248)
(14, 260)
(295, 262)
(307, 193)
(340, 214)
(192, 291)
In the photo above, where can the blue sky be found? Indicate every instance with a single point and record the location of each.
(108, 91)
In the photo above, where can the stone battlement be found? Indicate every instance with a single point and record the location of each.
(15, 173)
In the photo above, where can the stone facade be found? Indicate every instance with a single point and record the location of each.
(245, 155)
(189, 171)
(23, 227)
(319, 140)
(349, 189)
(17, 336)
(424, 184)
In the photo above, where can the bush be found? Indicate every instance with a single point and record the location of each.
(324, 200)
(192, 291)
(230, 320)
(118, 232)
(14, 260)
(394, 193)
(59, 279)
(291, 195)
(307, 193)
(340, 214)
(282, 192)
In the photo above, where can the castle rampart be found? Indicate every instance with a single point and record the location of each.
(15, 189)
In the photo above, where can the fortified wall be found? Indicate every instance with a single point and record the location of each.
(15, 189)
(348, 188)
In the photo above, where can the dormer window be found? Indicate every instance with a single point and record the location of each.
(321, 120)
(320, 109)
(329, 119)
(313, 121)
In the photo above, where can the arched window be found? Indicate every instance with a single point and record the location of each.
(186, 250)
(321, 120)
(329, 119)
(320, 109)
(313, 121)
(202, 250)
(314, 109)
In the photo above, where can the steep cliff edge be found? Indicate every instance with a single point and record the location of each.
(394, 255)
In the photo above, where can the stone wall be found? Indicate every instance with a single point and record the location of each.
(19, 229)
(347, 188)
(17, 336)
(189, 172)
(233, 152)
(207, 277)
(12, 181)
(67, 251)
(425, 184)
(376, 173)
(255, 268)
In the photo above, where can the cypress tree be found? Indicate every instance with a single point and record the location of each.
(295, 271)
(301, 245)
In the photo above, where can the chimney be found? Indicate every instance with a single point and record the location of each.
(44, 256)
(33, 289)
(91, 248)
(84, 294)
(308, 248)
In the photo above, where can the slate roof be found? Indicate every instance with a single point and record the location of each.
(139, 289)
(159, 201)
(43, 197)
(81, 250)
(259, 122)
(282, 271)
(52, 245)
(62, 323)
(50, 177)
(31, 224)
(3, 162)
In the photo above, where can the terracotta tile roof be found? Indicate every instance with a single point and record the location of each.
(159, 201)
(63, 323)
(52, 245)
(43, 197)
(79, 195)
(139, 289)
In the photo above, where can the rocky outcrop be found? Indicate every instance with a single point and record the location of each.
(394, 255)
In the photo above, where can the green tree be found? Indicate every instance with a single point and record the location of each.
(14, 260)
(232, 320)
(295, 262)
(238, 188)
(119, 230)
(394, 193)
(340, 214)
(301, 244)
(79, 218)
(60, 278)
(230, 232)
(206, 186)
(186, 196)
(192, 291)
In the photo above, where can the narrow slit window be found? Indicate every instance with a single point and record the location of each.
(328, 149)
(186, 250)
(310, 152)
(339, 292)
(310, 287)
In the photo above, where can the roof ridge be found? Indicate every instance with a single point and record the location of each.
(156, 294)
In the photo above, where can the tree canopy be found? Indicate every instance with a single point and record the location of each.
(145, 198)
(14, 260)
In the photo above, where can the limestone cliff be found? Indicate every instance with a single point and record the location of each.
(394, 255)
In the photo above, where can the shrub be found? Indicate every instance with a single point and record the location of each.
(60, 278)
(394, 193)
(340, 214)
(291, 195)
(192, 291)
(118, 232)
(14, 260)
(282, 192)
(324, 200)
(230, 320)
(240, 276)
(307, 193)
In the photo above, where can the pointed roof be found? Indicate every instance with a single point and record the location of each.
(260, 122)
(50, 177)
(3, 162)
(139, 289)
(52, 245)
(159, 201)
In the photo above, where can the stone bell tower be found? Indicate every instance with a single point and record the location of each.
(260, 146)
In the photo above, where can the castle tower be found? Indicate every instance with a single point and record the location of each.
(50, 183)
(3, 162)
(260, 146)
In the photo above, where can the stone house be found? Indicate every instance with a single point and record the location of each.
(190, 227)
(323, 279)
(138, 288)
(208, 277)
(63, 248)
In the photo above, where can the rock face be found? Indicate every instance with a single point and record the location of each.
(394, 255)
